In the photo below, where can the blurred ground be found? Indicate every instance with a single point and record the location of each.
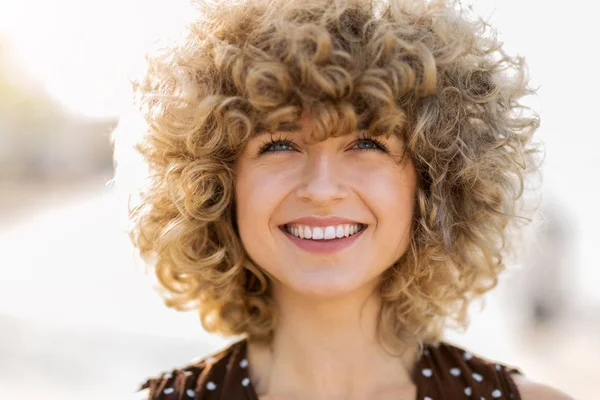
(77, 316)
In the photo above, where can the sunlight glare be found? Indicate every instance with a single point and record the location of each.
(82, 51)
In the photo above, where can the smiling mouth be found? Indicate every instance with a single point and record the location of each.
(286, 229)
(322, 246)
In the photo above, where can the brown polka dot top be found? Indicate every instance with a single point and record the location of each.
(443, 372)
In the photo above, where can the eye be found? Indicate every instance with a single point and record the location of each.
(371, 144)
(272, 145)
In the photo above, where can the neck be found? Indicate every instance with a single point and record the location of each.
(328, 347)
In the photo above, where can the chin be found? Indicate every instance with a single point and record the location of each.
(324, 287)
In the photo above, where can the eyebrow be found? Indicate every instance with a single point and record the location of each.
(294, 127)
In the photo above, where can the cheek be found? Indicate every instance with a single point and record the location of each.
(389, 191)
(390, 194)
(258, 193)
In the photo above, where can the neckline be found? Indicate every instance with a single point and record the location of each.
(252, 394)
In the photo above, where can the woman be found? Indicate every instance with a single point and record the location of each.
(334, 181)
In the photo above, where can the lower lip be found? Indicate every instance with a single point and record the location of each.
(324, 246)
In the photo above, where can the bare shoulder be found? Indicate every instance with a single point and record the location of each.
(531, 390)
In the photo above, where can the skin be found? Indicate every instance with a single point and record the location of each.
(331, 297)
(331, 178)
(324, 346)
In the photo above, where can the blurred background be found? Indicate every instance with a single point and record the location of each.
(78, 317)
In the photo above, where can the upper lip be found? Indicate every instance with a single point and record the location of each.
(322, 221)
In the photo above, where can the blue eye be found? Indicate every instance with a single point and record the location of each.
(275, 146)
(280, 145)
(374, 144)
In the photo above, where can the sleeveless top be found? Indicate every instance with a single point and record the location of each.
(443, 372)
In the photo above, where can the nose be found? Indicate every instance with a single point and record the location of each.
(322, 181)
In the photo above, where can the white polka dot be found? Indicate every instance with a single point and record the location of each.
(168, 376)
(244, 363)
(455, 371)
(477, 377)
(427, 398)
(498, 367)
(245, 382)
(211, 386)
(426, 352)
(187, 373)
(468, 391)
(467, 355)
(427, 372)
(168, 390)
(190, 393)
(496, 393)
(482, 398)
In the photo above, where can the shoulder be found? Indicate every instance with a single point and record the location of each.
(460, 372)
(530, 390)
(458, 360)
(203, 379)
(484, 377)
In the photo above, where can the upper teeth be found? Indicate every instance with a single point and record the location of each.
(326, 232)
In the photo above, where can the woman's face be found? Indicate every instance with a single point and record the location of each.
(348, 177)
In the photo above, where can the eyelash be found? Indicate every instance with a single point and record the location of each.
(264, 148)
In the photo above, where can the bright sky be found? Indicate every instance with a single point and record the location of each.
(82, 50)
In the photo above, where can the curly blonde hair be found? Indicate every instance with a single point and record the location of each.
(423, 70)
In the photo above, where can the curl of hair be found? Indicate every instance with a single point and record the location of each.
(424, 70)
